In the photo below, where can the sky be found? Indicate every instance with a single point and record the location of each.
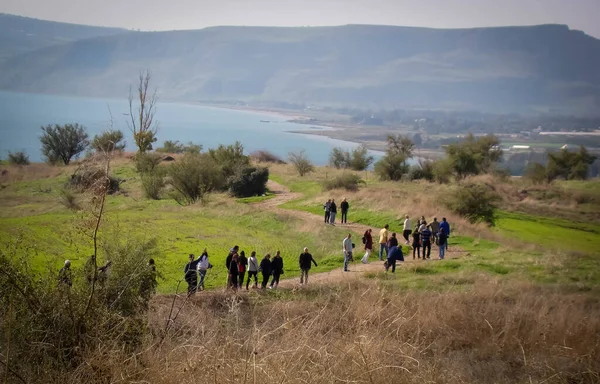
(195, 14)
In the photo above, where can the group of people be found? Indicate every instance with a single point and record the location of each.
(330, 208)
(238, 265)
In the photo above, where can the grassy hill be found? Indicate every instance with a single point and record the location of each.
(538, 68)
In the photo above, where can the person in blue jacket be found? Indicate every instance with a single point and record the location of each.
(446, 227)
(394, 255)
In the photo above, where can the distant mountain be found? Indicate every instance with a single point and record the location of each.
(22, 34)
(524, 69)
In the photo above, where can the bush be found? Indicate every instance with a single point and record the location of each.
(263, 156)
(422, 171)
(473, 156)
(93, 178)
(193, 176)
(109, 141)
(230, 158)
(250, 181)
(63, 142)
(301, 162)
(339, 158)
(442, 170)
(147, 162)
(360, 159)
(391, 167)
(347, 181)
(475, 202)
(18, 158)
(68, 199)
(569, 165)
(153, 184)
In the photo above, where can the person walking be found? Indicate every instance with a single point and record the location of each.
(234, 272)
(394, 255)
(242, 266)
(190, 274)
(442, 240)
(232, 251)
(265, 269)
(446, 226)
(406, 229)
(416, 243)
(252, 270)
(203, 267)
(344, 206)
(332, 212)
(277, 270)
(368, 242)
(305, 260)
(347, 250)
(393, 241)
(64, 275)
(425, 241)
(434, 226)
(326, 207)
(383, 239)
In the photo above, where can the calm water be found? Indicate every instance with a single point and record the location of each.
(22, 115)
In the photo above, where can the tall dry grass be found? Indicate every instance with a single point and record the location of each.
(367, 333)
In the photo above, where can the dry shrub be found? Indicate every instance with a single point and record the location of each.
(89, 176)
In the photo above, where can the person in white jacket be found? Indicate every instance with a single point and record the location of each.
(252, 270)
(203, 267)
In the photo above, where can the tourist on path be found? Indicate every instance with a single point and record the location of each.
(407, 229)
(234, 272)
(368, 241)
(425, 241)
(64, 275)
(191, 276)
(305, 261)
(416, 243)
(443, 240)
(242, 266)
(332, 212)
(434, 226)
(252, 270)
(446, 226)
(347, 249)
(394, 255)
(277, 270)
(393, 241)
(383, 240)
(232, 251)
(265, 269)
(326, 208)
(203, 267)
(344, 206)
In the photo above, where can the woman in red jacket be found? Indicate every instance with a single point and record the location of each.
(368, 242)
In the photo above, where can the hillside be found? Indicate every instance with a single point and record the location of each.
(22, 34)
(538, 68)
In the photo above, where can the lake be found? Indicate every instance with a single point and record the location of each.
(23, 114)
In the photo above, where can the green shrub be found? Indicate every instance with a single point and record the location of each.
(347, 181)
(391, 167)
(93, 178)
(193, 176)
(338, 158)
(68, 199)
(475, 202)
(250, 181)
(109, 141)
(536, 173)
(147, 162)
(569, 165)
(301, 162)
(18, 158)
(442, 170)
(63, 142)
(153, 184)
(230, 158)
(422, 171)
(360, 158)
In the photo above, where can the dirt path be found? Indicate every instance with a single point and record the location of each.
(357, 269)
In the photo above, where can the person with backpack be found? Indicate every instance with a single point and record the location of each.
(234, 272)
(347, 250)
(252, 270)
(326, 208)
(242, 266)
(304, 261)
(416, 243)
(277, 269)
(446, 226)
(332, 212)
(190, 274)
(344, 206)
(203, 267)
(383, 240)
(406, 229)
(425, 241)
(368, 242)
(442, 240)
(394, 255)
(265, 269)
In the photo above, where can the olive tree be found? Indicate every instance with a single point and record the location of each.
(63, 142)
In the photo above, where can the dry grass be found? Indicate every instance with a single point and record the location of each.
(369, 333)
(35, 171)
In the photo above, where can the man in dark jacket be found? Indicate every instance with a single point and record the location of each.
(232, 251)
(277, 270)
(305, 261)
(425, 241)
(344, 206)
(394, 255)
(446, 226)
(326, 207)
(191, 275)
(332, 212)
(233, 272)
(265, 269)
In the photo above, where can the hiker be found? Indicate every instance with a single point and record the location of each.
(344, 206)
(233, 272)
(277, 270)
(368, 242)
(232, 251)
(425, 241)
(252, 270)
(305, 261)
(203, 267)
(148, 284)
(265, 269)
(326, 207)
(407, 231)
(443, 240)
(444, 224)
(242, 266)
(422, 221)
(393, 241)
(394, 255)
(64, 275)
(347, 249)
(383, 239)
(416, 243)
(332, 212)
(434, 226)
(191, 277)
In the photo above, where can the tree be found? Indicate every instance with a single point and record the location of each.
(474, 156)
(301, 162)
(63, 142)
(394, 164)
(338, 158)
(109, 141)
(360, 159)
(536, 173)
(142, 123)
(569, 165)
(475, 202)
(18, 158)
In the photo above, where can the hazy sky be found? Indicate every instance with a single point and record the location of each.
(193, 14)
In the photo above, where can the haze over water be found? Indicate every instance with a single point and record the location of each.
(22, 115)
